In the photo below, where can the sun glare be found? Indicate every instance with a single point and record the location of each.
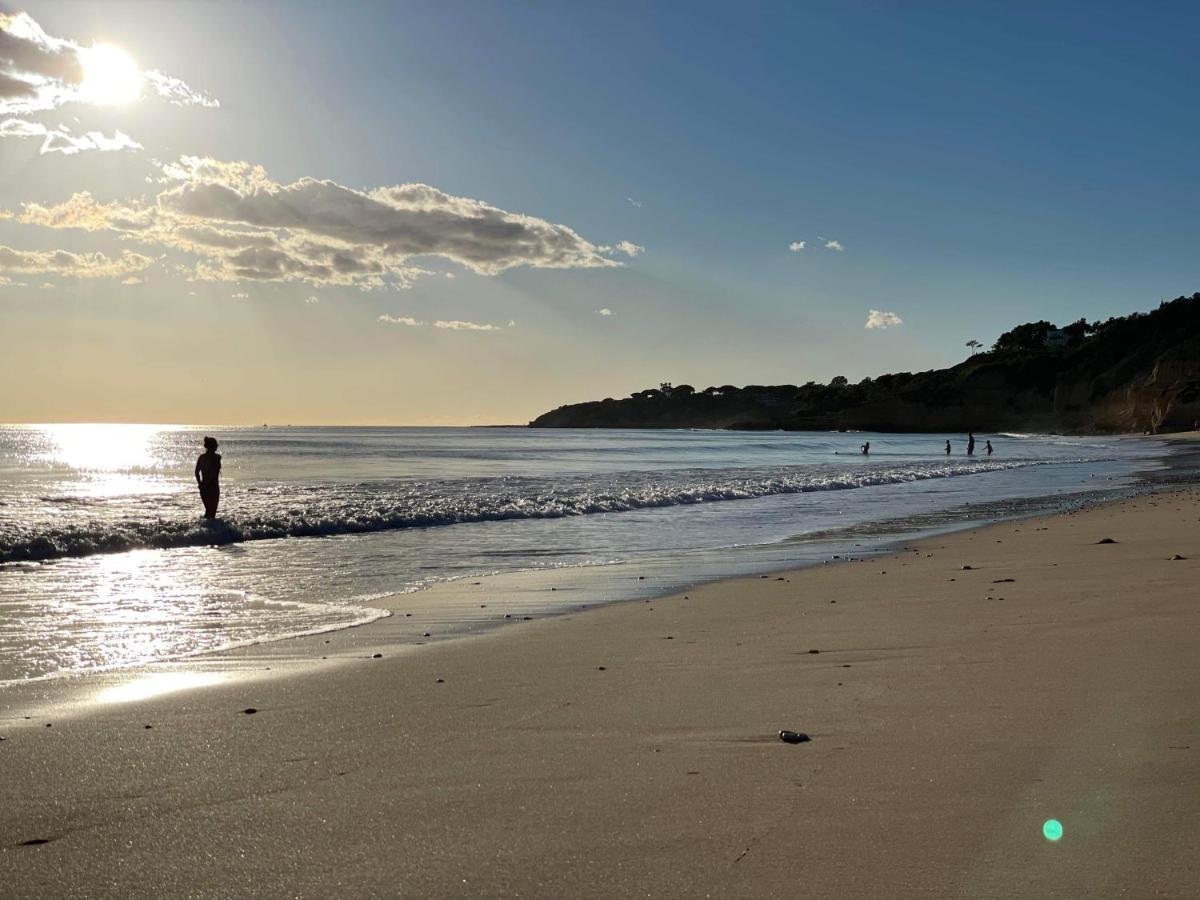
(110, 76)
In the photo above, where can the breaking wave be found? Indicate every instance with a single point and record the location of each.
(71, 526)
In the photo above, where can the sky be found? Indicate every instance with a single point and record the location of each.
(470, 213)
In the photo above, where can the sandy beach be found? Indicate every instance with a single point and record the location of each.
(958, 694)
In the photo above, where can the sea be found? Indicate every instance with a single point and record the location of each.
(106, 560)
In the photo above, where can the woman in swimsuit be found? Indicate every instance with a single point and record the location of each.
(208, 477)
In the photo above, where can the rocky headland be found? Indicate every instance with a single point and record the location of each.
(1134, 374)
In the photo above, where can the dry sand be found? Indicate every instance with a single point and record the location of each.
(631, 751)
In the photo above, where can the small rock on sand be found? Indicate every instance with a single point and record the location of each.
(1106, 541)
(376, 656)
(1177, 556)
(249, 710)
(967, 568)
(793, 737)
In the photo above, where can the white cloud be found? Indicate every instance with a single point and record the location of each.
(240, 295)
(454, 325)
(451, 275)
(877, 318)
(457, 325)
(604, 311)
(243, 226)
(629, 248)
(636, 203)
(831, 244)
(133, 279)
(797, 246)
(312, 299)
(41, 72)
(60, 140)
(176, 92)
(73, 265)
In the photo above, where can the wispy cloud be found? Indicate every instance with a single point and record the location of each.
(72, 265)
(60, 140)
(446, 325)
(243, 226)
(174, 91)
(831, 244)
(632, 202)
(240, 295)
(877, 318)
(604, 311)
(629, 248)
(312, 299)
(41, 72)
(797, 246)
(458, 325)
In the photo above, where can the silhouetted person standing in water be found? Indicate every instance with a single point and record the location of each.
(865, 449)
(989, 448)
(208, 477)
(970, 443)
(947, 448)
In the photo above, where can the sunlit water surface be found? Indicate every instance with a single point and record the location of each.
(106, 561)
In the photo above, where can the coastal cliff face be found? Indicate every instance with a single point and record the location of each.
(1133, 374)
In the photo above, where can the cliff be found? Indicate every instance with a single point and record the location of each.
(1132, 374)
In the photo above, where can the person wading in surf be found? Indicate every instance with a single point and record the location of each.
(208, 477)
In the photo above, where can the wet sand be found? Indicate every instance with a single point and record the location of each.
(632, 750)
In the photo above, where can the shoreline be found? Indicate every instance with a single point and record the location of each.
(519, 593)
(632, 749)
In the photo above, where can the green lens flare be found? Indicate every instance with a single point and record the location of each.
(1052, 829)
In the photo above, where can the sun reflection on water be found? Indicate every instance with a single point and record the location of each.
(103, 448)
(109, 460)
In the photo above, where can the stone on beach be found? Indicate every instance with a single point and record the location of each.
(793, 737)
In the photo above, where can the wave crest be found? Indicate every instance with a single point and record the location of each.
(283, 511)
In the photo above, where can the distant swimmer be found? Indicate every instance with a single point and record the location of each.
(947, 448)
(989, 448)
(208, 477)
(970, 443)
(865, 449)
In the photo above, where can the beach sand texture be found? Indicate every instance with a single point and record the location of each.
(632, 750)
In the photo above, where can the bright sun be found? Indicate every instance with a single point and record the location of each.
(110, 76)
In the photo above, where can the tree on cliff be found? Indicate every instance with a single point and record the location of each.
(1030, 336)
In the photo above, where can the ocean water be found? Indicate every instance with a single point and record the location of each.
(105, 559)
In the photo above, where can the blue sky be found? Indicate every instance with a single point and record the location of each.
(980, 165)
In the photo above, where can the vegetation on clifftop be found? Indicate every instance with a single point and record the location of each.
(1134, 373)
